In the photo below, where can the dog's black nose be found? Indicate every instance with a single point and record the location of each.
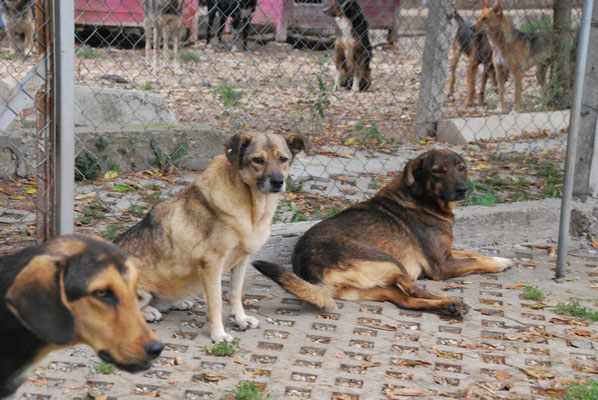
(153, 348)
(461, 190)
(276, 183)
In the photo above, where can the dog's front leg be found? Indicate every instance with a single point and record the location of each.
(212, 289)
(237, 279)
(356, 82)
(461, 263)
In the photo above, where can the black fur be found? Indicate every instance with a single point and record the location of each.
(234, 9)
(469, 38)
(20, 344)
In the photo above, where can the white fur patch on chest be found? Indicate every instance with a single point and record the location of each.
(497, 56)
(345, 27)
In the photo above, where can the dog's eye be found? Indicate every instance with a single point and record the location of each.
(438, 171)
(283, 159)
(258, 160)
(105, 295)
(461, 168)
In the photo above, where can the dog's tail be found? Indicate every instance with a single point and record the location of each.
(313, 294)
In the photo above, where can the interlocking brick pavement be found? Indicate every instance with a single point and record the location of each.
(506, 347)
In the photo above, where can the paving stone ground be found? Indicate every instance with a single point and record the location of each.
(506, 347)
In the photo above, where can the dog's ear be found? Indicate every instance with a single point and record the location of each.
(412, 171)
(235, 148)
(37, 299)
(498, 7)
(296, 143)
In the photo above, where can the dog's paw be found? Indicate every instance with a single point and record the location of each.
(152, 314)
(246, 322)
(183, 305)
(221, 336)
(502, 263)
(457, 310)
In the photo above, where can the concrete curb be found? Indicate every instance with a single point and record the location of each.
(476, 227)
(465, 130)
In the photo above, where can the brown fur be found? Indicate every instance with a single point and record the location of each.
(377, 249)
(18, 18)
(162, 23)
(212, 227)
(518, 51)
(71, 290)
(474, 43)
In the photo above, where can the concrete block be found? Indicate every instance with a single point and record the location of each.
(465, 130)
(135, 148)
(95, 107)
(100, 108)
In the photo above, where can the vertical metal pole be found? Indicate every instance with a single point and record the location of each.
(64, 89)
(582, 59)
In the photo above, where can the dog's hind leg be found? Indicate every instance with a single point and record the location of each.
(175, 47)
(455, 56)
(445, 306)
(518, 75)
(486, 70)
(243, 320)
(472, 72)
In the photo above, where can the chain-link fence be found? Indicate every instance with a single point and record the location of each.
(26, 97)
(147, 113)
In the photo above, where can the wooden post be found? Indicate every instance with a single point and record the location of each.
(586, 165)
(439, 37)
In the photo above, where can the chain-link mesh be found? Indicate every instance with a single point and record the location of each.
(157, 94)
(26, 175)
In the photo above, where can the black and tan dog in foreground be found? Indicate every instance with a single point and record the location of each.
(213, 226)
(71, 290)
(376, 250)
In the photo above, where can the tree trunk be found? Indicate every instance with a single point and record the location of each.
(560, 86)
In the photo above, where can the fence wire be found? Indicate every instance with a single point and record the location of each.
(26, 161)
(147, 113)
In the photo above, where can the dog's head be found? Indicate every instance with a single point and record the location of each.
(263, 160)
(491, 17)
(437, 176)
(343, 8)
(83, 290)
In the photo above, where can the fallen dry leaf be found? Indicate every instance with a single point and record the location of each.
(413, 363)
(537, 373)
(503, 375)
(397, 393)
(518, 285)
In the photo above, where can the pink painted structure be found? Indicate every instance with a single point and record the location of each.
(285, 14)
(125, 13)
(282, 14)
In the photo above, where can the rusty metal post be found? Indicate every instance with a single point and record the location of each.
(45, 142)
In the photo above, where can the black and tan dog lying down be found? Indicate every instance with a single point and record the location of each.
(70, 290)
(377, 249)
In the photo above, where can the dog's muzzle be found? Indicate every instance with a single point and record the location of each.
(461, 192)
(152, 349)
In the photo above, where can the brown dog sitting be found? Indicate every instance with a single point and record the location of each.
(18, 17)
(68, 291)
(377, 249)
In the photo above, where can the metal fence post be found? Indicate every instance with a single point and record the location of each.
(574, 127)
(439, 35)
(64, 126)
